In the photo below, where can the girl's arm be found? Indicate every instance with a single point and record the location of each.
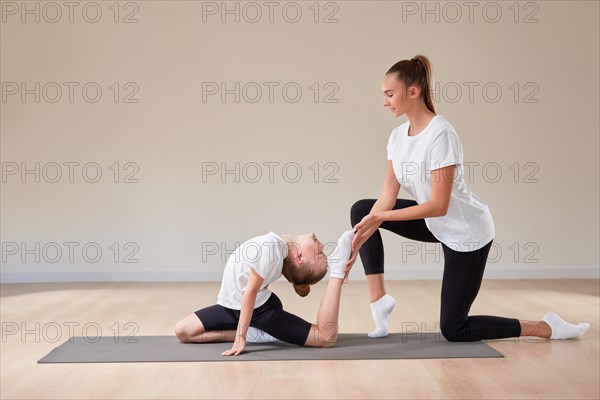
(248, 301)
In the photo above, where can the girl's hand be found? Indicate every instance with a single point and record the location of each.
(238, 348)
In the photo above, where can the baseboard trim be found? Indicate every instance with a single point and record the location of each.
(501, 273)
(425, 273)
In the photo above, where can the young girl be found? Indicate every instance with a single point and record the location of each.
(425, 156)
(245, 302)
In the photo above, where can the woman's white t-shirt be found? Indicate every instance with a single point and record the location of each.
(468, 225)
(264, 254)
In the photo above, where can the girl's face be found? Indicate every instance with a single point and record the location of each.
(312, 251)
(397, 97)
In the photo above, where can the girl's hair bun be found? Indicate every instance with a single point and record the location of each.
(302, 290)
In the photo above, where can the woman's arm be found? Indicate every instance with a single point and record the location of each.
(441, 189)
(442, 180)
(248, 301)
(389, 191)
(385, 202)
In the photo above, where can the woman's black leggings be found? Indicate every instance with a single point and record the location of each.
(463, 273)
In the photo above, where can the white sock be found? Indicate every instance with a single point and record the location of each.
(336, 261)
(562, 329)
(254, 335)
(381, 310)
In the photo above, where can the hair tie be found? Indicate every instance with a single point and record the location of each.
(416, 60)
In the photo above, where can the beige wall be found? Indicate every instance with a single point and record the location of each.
(180, 224)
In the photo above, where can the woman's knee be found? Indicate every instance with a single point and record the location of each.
(360, 209)
(453, 331)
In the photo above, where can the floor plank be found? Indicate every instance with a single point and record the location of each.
(532, 368)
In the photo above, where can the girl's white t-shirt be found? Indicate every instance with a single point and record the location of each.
(264, 254)
(468, 225)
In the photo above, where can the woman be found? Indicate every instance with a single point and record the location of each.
(425, 157)
(244, 300)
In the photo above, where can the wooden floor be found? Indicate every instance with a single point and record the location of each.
(532, 368)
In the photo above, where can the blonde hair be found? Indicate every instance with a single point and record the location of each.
(416, 71)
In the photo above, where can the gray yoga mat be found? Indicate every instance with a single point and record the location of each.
(355, 346)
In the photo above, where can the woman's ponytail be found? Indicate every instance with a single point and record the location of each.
(416, 71)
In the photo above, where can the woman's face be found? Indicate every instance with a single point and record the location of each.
(312, 251)
(396, 97)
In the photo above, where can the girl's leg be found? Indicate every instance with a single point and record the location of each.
(292, 329)
(324, 332)
(271, 319)
(372, 257)
(211, 324)
(463, 273)
(190, 329)
(274, 320)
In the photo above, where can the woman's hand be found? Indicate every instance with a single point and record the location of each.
(238, 347)
(364, 229)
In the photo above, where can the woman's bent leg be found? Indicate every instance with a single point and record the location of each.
(372, 253)
(372, 257)
(463, 273)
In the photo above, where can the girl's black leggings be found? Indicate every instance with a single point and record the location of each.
(463, 273)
